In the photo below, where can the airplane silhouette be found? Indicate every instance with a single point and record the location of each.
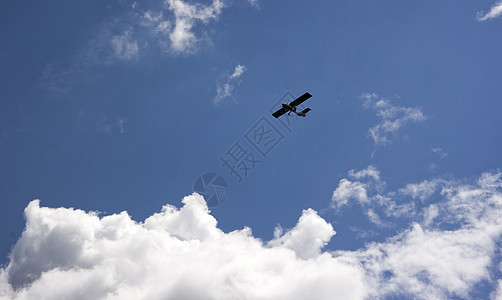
(290, 107)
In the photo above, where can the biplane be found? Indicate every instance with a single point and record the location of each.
(290, 107)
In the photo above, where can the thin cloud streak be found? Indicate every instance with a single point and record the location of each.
(225, 89)
(174, 28)
(494, 12)
(392, 118)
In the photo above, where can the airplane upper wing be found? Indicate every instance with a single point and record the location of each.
(280, 112)
(300, 99)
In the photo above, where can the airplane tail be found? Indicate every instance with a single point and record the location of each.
(304, 112)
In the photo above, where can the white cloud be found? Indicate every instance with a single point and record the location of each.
(422, 190)
(365, 188)
(175, 254)
(66, 253)
(370, 171)
(186, 15)
(497, 294)
(308, 237)
(348, 190)
(151, 18)
(224, 90)
(428, 262)
(238, 71)
(392, 118)
(494, 12)
(178, 23)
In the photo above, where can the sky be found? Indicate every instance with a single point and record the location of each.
(112, 111)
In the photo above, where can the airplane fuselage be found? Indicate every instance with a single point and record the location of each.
(289, 107)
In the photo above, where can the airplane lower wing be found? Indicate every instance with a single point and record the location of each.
(300, 99)
(280, 112)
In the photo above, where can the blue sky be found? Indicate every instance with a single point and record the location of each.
(111, 106)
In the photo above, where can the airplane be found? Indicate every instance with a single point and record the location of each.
(289, 107)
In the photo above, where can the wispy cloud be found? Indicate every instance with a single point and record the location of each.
(176, 28)
(125, 48)
(494, 12)
(392, 118)
(365, 188)
(254, 3)
(101, 123)
(59, 80)
(225, 89)
(428, 261)
(238, 71)
(186, 15)
(110, 126)
(179, 29)
(112, 44)
(439, 152)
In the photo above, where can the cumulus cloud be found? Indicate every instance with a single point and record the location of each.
(392, 118)
(180, 253)
(497, 294)
(365, 188)
(308, 237)
(494, 12)
(224, 90)
(430, 264)
(174, 254)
